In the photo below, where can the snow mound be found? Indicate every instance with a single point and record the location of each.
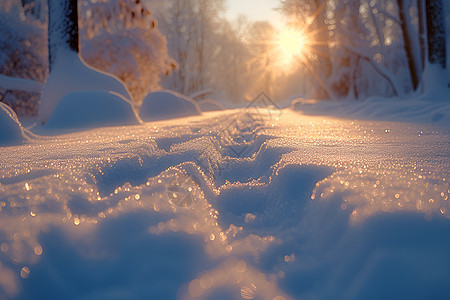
(210, 105)
(167, 104)
(436, 82)
(71, 74)
(11, 130)
(89, 109)
(20, 84)
(301, 103)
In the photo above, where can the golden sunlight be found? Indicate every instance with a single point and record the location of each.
(291, 45)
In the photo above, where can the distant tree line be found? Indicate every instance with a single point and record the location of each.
(117, 36)
(356, 48)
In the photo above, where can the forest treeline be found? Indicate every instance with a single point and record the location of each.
(353, 49)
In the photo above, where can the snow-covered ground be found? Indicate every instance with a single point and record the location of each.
(425, 109)
(238, 204)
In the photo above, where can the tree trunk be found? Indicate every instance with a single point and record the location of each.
(62, 28)
(408, 43)
(422, 36)
(436, 32)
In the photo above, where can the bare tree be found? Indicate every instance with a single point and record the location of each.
(232, 59)
(190, 27)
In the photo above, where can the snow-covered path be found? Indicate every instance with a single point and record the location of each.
(252, 204)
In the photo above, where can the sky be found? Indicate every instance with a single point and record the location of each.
(255, 10)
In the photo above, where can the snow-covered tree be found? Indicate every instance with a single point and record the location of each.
(374, 47)
(232, 62)
(208, 18)
(409, 42)
(68, 71)
(423, 33)
(121, 37)
(62, 29)
(23, 54)
(192, 28)
(436, 77)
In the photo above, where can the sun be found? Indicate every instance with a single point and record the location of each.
(291, 42)
(291, 45)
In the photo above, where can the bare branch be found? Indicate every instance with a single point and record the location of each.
(383, 72)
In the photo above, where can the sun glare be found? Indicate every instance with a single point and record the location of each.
(290, 43)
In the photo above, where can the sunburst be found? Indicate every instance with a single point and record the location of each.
(291, 45)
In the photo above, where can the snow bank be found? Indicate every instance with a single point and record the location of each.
(167, 104)
(90, 109)
(427, 109)
(70, 73)
(436, 82)
(11, 130)
(19, 84)
(210, 105)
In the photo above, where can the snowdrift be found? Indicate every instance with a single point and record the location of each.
(167, 104)
(210, 105)
(431, 108)
(11, 130)
(91, 109)
(20, 84)
(70, 74)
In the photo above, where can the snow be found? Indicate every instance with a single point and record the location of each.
(167, 104)
(70, 74)
(91, 109)
(11, 130)
(436, 83)
(210, 105)
(255, 204)
(430, 108)
(20, 84)
(319, 200)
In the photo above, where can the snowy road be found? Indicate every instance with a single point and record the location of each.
(244, 204)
